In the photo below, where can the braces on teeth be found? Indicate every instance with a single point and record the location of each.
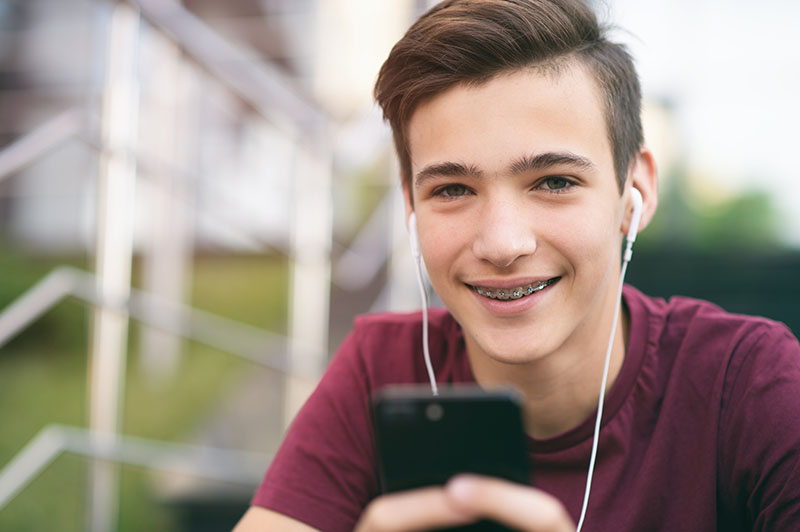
(513, 293)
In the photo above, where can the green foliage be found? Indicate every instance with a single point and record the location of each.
(745, 221)
(688, 221)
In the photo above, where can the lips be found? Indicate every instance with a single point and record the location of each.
(517, 292)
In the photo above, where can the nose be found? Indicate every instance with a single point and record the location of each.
(505, 233)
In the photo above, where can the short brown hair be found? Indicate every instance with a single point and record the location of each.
(472, 41)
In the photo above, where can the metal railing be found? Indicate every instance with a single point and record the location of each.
(268, 93)
(212, 463)
(271, 95)
(243, 340)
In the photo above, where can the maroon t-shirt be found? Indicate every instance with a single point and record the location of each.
(701, 429)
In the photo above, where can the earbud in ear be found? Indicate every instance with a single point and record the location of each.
(636, 217)
(413, 238)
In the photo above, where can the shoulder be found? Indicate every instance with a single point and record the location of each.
(692, 343)
(394, 331)
(386, 348)
(725, 386)
(685, 323)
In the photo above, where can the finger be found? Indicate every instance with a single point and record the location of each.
(409, 511)
(521, 507)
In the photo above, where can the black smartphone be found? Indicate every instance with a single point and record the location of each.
(424, 440)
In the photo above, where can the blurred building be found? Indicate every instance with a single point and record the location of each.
(232, 164)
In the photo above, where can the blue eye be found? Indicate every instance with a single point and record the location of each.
(451, 191)
(556, 184)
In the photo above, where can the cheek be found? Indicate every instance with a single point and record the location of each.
(589, 236)
(440, 245)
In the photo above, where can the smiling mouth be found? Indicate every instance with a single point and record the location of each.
(505, 294)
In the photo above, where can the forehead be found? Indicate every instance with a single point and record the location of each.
(525, 112)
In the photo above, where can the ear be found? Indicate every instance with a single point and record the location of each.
(644, 176)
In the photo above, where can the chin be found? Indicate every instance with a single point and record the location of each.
(513, 353)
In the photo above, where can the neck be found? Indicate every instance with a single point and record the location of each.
(561, 389)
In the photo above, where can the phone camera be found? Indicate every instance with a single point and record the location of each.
(434, 412)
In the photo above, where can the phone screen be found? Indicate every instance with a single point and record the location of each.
(424, 440)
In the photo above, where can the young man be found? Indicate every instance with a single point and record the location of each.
(518, 131)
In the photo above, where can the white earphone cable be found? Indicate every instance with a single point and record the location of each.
(626, 259)
(425, 348)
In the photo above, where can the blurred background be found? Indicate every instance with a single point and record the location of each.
(197, 197)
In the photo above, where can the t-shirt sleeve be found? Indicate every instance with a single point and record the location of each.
(323, 473)
(759, 459)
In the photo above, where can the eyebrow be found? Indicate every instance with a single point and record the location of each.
(447, 169)
(548, 160)
(527, 163)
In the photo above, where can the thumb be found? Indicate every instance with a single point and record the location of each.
(522, 507)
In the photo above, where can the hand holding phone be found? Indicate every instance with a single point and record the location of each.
(523, 508)
(425, 440)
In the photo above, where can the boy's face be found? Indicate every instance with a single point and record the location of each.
(515, 194)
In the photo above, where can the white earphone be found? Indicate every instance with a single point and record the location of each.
(630, 238)
(638, 206)
(413, 239)
(636, 218)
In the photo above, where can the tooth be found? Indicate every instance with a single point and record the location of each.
(515, 293)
